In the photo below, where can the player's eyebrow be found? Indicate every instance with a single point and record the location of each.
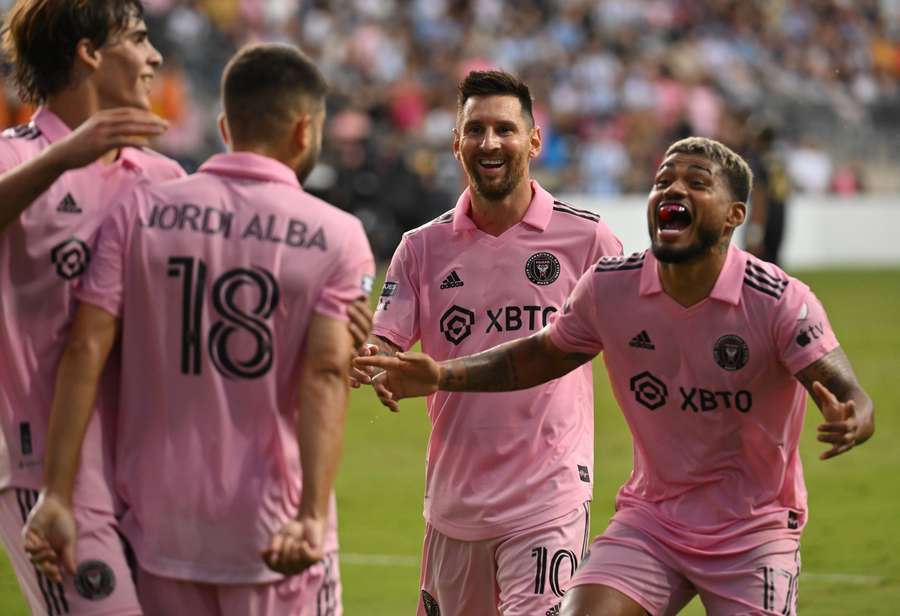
(701, 168)
(670, 165)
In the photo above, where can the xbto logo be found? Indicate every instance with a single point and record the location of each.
(650, 392)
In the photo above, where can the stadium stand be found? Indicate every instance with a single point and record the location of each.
(614, 82)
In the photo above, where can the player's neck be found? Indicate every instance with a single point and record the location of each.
(74, 106)
(691, 282)
(495, 217)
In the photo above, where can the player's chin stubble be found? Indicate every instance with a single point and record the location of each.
(506, 185)
(706, 239)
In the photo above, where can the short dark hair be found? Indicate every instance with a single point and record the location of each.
(264, 85)
(736, 169)
(40, 38)
(496, 83)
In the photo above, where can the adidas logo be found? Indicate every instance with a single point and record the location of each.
(452, 281)
(68, 205)
(642, 341)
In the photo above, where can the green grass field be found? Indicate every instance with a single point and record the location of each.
(851, 547)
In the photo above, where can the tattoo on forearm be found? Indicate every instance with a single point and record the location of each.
(451, 379)
(578, 358)
(834, 372)
(493, 370)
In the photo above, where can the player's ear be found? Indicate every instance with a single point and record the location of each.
(536, 141)
(223, 129)
(87, 54)
(301, 135)
(737, 213)
(455, 143)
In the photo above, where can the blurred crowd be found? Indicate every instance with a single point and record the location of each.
(614, 82)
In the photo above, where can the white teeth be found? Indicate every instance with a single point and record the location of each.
(491, 162)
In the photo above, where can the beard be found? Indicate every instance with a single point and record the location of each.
(706, 239)
(495, 191)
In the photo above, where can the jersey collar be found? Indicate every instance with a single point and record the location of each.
(537, 215)
(131, 157)
(50, 125)
(251, 166)
(728, 285)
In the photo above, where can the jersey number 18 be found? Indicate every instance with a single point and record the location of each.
(234, 318)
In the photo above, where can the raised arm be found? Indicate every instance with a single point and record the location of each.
(519, 364)
(50, 529)
(847, 408)
(322, 401)
(104, 131)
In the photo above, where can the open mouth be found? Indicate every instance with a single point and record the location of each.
(673, 218)
(491, 163)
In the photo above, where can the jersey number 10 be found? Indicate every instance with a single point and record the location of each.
(235, 318)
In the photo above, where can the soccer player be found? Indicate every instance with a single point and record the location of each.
(234, 386)
(507, 494)
(89, 66)
(708, 350)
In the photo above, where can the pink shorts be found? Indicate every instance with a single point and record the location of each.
(524, 573)
(103, 584)
(762, 580)
(315, 592)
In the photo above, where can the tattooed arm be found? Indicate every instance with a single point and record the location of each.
(519, 364)
(847, 408)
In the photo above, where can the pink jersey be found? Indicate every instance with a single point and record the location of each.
(497, 462)
(216, 278)
(709, 394)
(42, 255)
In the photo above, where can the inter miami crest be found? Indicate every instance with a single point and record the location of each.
(94, 580)
(542, 268)
(731, 352)
(430, 605)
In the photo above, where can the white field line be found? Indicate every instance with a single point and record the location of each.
(378, 560)
(393, 560)
(843, 578)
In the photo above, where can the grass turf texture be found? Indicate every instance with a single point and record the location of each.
(853, 510)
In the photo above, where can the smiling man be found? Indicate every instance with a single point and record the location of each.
(89, 66)
(508, 481)
(710, 353)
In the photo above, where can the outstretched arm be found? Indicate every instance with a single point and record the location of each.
(50, 529)
(519, 364)
(847, 408)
